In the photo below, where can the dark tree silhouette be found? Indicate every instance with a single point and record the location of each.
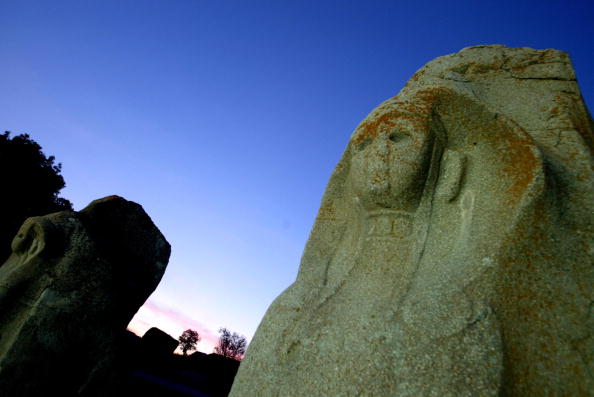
(30, 186)
(188, 340)
(231, 345)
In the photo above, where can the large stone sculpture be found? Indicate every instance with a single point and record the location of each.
(72, 284)
(453, 251)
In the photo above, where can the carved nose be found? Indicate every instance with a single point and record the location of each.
(379, 164)
(381, 146)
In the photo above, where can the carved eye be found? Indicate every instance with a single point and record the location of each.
(397, 136)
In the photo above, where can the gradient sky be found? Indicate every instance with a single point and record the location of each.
(224, 119)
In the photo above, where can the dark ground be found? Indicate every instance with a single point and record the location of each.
(153, 371)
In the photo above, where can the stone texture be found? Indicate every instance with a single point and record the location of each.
(453, 251)
(69, 289)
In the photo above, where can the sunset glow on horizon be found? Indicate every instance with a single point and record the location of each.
(171, 322)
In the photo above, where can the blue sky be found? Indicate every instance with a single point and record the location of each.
(224, 119)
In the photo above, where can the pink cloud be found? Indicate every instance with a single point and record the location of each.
(153, 314)
(139, 326)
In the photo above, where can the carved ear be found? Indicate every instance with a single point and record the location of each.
(30, 241)
(451, 175)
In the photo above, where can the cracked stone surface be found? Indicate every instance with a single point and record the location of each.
(452, 254)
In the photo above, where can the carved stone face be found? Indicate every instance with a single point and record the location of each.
(390, 159)
(96, 266)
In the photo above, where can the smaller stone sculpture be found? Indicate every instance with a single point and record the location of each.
(70, 287)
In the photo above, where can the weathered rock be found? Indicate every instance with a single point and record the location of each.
(72, 284)
(158, 342)
(453, 251)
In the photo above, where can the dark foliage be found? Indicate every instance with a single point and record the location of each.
(30, 185)
(231, 345)
(188, 340)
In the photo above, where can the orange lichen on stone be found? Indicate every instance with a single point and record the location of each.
(415, 112)
(519, 164)
(371, 128)
(575, 116)
(327, 212)
(416, 77)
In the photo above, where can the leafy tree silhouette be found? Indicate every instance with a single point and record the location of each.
(30, 185)
(231, 345)
(188, 340)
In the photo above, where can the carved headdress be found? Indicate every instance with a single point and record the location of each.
(452, 252)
